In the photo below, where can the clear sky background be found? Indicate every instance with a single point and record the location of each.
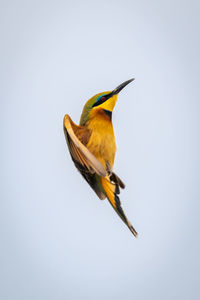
(57, 239)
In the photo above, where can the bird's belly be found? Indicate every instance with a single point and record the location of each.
(102, 145)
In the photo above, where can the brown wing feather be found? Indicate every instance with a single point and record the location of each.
(78, 151)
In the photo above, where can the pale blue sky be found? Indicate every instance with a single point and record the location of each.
(58, 240)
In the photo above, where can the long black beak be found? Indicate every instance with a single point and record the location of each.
(121, 86)
(114, 92)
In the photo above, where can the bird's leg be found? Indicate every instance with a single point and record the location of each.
(111, 175)
(108, 169)
(114, 178)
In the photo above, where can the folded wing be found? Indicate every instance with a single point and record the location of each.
(80, 154)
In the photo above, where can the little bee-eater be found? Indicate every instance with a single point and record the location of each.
(92, 148)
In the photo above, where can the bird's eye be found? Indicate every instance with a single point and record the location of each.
(103, 98)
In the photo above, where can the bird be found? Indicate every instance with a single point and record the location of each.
(92, 148)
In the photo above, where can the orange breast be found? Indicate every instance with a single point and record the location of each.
(102, 139)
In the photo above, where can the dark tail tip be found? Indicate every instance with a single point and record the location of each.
(134, 232)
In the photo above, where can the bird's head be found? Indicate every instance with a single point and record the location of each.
(104, 100)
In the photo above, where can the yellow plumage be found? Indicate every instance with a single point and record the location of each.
(92, 147)
(102, 140)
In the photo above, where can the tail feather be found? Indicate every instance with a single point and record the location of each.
(111, 190)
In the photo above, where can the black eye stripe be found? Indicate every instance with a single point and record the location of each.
(101, 100)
